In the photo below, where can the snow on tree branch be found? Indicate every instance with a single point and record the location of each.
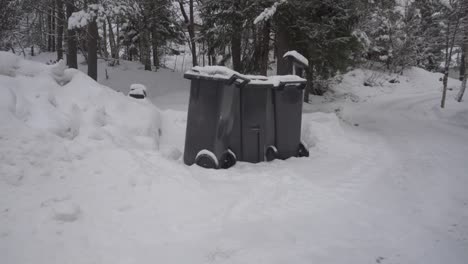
(268, 12)
(79, 19)
(446, 3)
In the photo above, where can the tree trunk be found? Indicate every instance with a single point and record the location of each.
(192, 34)
(236, 41)
(450, 42)
(282, 46)
(154, 43)
(265, 50)
(72, 59)
(54, 27)
(104, 40)
(465, 64)
(462, 65)
(204, 53)
(117, 43)
(41, 30)
(211, 54)
(145, 50)
(49, 31)
(444, 89)
(189, 21)
(310, 83)
(92, 49)
(61, 18)
(113, 46)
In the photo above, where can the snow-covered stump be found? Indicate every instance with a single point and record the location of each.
(137, 91)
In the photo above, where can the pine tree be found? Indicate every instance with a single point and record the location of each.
(320, 30)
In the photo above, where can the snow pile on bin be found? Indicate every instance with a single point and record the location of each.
(137, 91)
(221, 72)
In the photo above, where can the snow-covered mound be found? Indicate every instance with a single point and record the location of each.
(361, 84)
(60, 105)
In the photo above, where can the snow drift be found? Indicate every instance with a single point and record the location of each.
(70, 105)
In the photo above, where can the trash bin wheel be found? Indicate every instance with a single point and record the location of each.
(302, 151)
(271, 153)
(228, 159)
(206, 161)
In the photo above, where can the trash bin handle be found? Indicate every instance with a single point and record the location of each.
(300, 84)
(191, 76)
(236, 77)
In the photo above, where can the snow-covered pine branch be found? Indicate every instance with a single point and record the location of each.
(447, 4)
(268, 12)
(79, 19)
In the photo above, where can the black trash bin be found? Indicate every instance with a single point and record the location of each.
(253, 136)
(210, 119)
(287, 103)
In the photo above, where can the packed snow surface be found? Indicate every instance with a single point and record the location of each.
(88, 175)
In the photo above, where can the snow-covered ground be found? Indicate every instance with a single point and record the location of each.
(89, 175)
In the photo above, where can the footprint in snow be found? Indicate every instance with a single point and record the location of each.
(66, 212)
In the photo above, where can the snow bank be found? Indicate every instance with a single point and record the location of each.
(70, 105)
(8, 63)
(12, 65)
(322, 130)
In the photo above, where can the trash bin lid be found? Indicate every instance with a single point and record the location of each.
(259, 81)
(217, 73)
(275, 82)
(210, 73)
(221, 73)
(280, 81)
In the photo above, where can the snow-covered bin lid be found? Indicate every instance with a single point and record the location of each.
(298, 57)
(223, 73)
(210, 72)
(216, 73)
(279, 81)
(137, 89)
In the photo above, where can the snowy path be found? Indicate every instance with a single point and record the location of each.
(422, 197)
